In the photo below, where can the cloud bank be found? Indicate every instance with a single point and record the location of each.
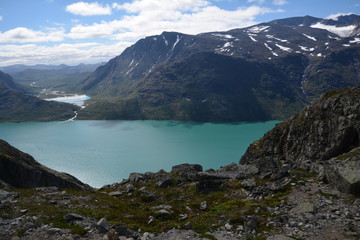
(100, 41)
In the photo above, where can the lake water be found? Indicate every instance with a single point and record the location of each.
(104, 152)
(73, 99)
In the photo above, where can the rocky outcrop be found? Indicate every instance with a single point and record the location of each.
(323, 130)
(20, 170)
(344, 174)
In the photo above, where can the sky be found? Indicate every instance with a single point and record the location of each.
(73, 32)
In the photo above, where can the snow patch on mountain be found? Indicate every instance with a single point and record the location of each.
(225, 48)
(356, 40)
(252, 38)
(278, 39)
(344, 31)
(177, 41)
(228, 36)
(306, 49)
(258, 29)
(286, 49)
(166, 42)
(310, 37)
(267, 46)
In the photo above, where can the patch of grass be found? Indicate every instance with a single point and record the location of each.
(76, 229)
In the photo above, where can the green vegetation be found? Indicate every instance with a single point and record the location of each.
(133, 210)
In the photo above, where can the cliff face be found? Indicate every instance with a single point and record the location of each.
(326, 129)
(20, 170)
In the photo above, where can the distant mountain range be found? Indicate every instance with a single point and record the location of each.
(17, 106)
(55, 77)
(78, 68)
(267, 71)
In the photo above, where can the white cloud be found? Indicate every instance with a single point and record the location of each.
(1, 18)
(161, 5)
(25, 35)
(88, 9)
(336, 15)
(71, 54)
(256, 1)
(139, 18)
(280, 2)
(150, 17)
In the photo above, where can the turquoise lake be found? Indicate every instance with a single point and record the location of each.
(104, 152)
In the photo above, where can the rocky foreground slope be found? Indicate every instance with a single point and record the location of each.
(279, 191)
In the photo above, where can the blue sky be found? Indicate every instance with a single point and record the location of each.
(73, 32)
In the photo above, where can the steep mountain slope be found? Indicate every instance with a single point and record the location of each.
(298, 48)
(15, 105)
(211, 87)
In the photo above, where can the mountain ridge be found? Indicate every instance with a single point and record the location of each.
(119, 81)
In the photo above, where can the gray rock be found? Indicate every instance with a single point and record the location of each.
(250, 224)
(7, 196)
(164, 214)
(178, 235)
(130, 188)
(185, 168)
(248, 184)
(103, 225)
(304, 207)
(70, 217)
(203, 206)
(165, 183)
(228, 226)
(29, 225)
(136, 177)
(53, 231)
(183, 217)
(115, 193)
(231, 171)
(344, 175)
(162, 206)
(124, 231)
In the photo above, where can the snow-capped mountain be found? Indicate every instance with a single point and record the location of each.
(286, 55)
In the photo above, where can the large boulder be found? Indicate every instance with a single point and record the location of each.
(344, 174)
(21, 170)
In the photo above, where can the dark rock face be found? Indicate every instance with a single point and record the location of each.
(323, 130)
(21, 170)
